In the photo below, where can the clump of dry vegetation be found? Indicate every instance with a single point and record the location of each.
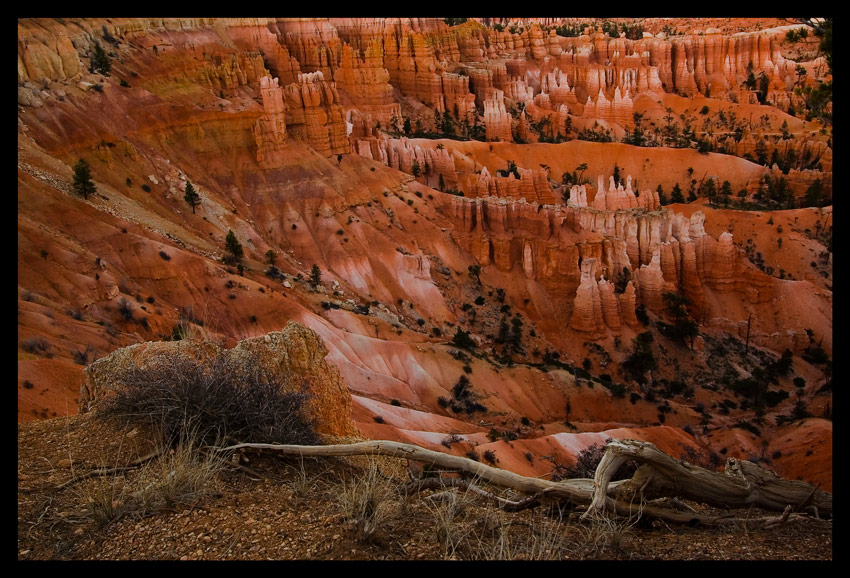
(224, 399)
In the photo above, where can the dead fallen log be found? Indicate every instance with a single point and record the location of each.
(742, 485)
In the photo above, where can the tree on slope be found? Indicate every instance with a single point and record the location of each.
(191, 196)
(83, 184)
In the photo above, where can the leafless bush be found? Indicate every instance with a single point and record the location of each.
(586, 462)
(74, 313)
(219, 399)
(451, 439)
(37, 346)
(125, 309)
(82, 357)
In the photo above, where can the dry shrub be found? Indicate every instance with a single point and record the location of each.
(586, 462)
(180, 477)
(453, 520)
(37, 346)
(606, 532)
(366, 500)
(303, 484)
(221, 400)
(504, 536)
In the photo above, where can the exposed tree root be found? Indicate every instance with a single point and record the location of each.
(109, 471)
(502, 503)
(743, 484)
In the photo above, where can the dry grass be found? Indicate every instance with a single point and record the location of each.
(303, 484)
(452, 519)
(180, 476)
(367, 501)
(537, 537)
(608, 533)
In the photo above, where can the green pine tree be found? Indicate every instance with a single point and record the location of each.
(315, 275)
(191, 196)
(662, 198)
(233, 246)
(100, 61)
(726, 191)
(83, 184)
(676, 195)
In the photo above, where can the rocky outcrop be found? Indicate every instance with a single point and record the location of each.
(627, 305)
(412, 67)
(457, 99)
(652, 286)
(609, 303)
(532, 186)
(497, 120)
(483, 80)
(228, 72)
(556, 86)
(294, 357)
(44, 55)
(270, 128)
(619, 109)
(365, 82)
(314, 114)
(587, 306)
(314, 43)
(261, 36)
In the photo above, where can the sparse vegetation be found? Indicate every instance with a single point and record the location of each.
(234, 249)
(83, 184)
(192, 401)
(191, 196)
(100, 62)
(37, 346)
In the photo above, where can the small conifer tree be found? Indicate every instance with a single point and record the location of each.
(83, 184)
(100, 61)
(662, 198)
(676, 196)
(191, 196)
(315, 275)
(233, 246)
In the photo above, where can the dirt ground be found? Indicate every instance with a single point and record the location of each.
(331, 509)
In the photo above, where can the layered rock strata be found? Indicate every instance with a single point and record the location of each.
(314, 114)
(497, 120)
(365, 82)
(270, 128)
(663, 252)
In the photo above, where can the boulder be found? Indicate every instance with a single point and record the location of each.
(295, 356)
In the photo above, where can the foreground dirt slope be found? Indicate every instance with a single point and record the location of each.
(291, 510)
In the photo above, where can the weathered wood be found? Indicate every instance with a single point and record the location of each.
(501, 503)
(742, 484)
(577, 490)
